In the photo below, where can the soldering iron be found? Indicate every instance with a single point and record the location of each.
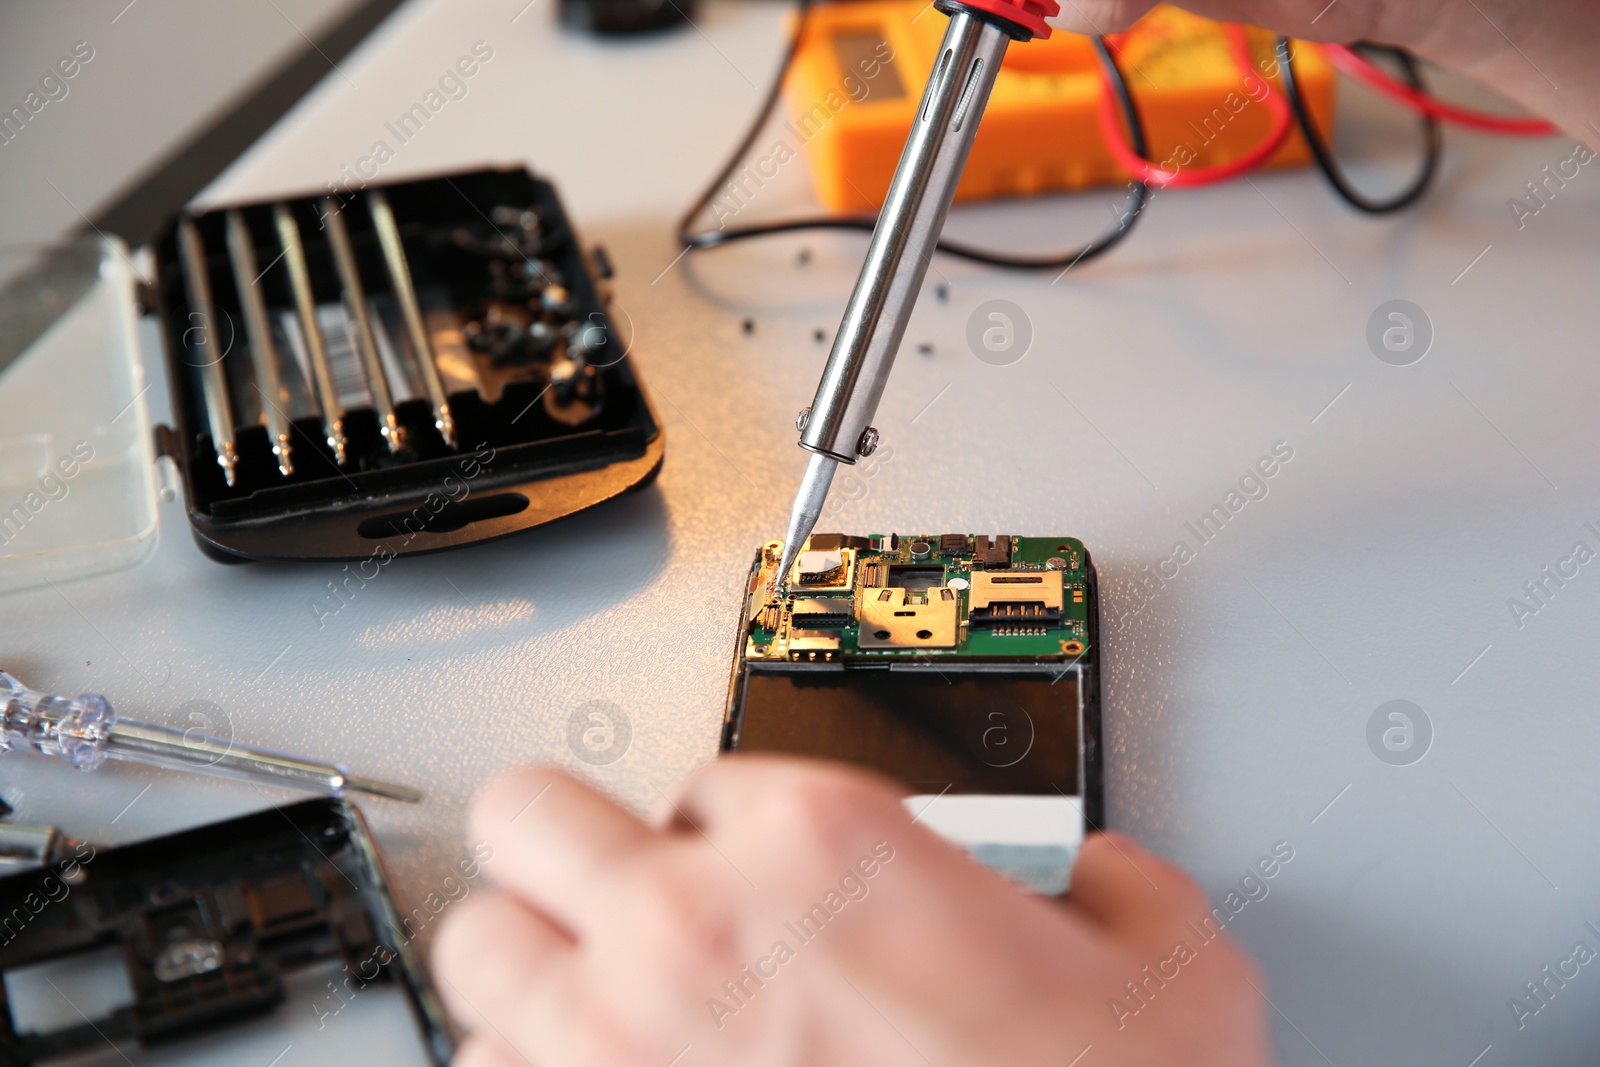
(837, 427)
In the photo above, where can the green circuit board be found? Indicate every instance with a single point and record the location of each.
(890, 596)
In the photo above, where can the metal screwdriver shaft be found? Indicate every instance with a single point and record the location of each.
(41, 846)
(213, 383)
(305, 305)
(85, 731)
(394, 254)
(263, 350)
(366, 345)
(837, 428)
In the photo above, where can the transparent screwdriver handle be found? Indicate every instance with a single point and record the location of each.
(85, 731)
(74, 729)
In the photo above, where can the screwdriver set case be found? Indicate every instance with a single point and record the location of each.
(393, 370)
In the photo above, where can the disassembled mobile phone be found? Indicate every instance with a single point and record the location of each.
(283, 917)
(963, 665)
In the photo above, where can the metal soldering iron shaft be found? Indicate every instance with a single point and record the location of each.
(838, 423)
(905, 238)
(394, 254)
(263, 350)
(213, 382)
(355, 302)
(305, 305)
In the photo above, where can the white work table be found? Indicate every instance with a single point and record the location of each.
(1377, 567)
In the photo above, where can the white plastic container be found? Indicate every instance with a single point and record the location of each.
(78, 480)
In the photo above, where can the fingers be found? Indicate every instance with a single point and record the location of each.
(487, 1052)
(1101, 16)
(724, 791)
(1335, 22)
(555, 840)
(1132, 893)
(816, 811)
(503, 971)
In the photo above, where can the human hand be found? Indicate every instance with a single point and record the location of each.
(790, 912)
(1545, 56)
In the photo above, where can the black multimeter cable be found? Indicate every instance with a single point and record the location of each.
(1138, 192)
(1323, 155)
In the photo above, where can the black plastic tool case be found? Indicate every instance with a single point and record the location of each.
(520, 461)
(210, 923)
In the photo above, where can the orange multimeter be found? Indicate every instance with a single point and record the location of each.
(858, 72)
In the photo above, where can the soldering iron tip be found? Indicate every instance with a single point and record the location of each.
(807, 510)
(780, 579)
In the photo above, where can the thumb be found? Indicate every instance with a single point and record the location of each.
(1136, 897)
